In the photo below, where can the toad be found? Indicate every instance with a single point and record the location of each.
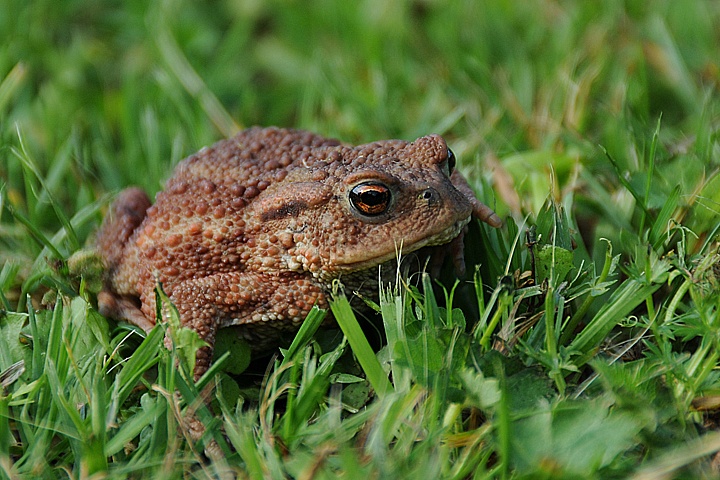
(254, 230)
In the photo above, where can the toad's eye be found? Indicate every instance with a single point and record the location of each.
(450, 161)
(370, 198)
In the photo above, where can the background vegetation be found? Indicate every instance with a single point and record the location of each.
(584, 345)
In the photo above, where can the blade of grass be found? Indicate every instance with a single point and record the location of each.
(579, 315)
(243, 438)
(11, 83)
(193, 398)
(307, 330)
(392, 309)
(35, 232)
(678, 457)
(311, 393)
(657, 233)
(132, 427)
(193, 83)
(29, 168)
(649, 175)
(358, 343)
(5, 436)
(623, 301)
(625, 183)
(143, 358)
(503, 421)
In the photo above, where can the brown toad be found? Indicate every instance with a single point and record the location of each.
(253, 230)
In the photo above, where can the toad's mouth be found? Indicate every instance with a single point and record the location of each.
(401, 247)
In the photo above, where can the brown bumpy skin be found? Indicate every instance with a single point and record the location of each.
(253, 230)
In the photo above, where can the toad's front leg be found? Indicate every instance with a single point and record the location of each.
(480, 211)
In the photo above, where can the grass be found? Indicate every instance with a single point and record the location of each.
(583, 341)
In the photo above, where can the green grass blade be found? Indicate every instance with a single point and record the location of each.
(623, 301)
(676, 458)
(30, 168)
(625, 183)
(11, 83)
(657, 235)
(307, 330)
(139, 362)
(34, 232)
(132, 427)
(358, 343)
(5, 436)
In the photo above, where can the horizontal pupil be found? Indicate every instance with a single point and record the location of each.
(374, 197)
